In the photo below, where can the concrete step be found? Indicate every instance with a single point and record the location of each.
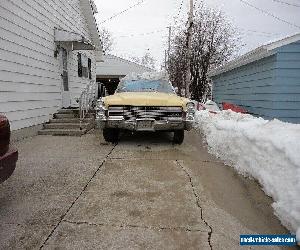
(90, 115)
(66, 125)
(62, 116)
(71, 120)
(65, 132)
(68, 111)
(71, 115)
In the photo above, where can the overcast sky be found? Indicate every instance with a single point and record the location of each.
(144, 27)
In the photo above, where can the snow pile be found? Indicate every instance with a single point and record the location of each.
(151, 76)
(269, 151)
(211, 106)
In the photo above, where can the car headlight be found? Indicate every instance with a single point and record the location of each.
(100, 109)
(190, 111)
(100, 105)
(190, 106)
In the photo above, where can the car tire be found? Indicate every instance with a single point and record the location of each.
(178, 137)
(4, 135)
(111, 134)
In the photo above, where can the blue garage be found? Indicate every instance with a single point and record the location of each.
(265, 81)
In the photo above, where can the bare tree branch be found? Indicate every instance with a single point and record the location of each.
(214, 42)
(107, 40)
(146, 60)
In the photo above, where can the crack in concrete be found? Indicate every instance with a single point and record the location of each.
(197, 202)
(138, 159)
(26, 224)
(165, 159)
(126, 226)
(76, 199)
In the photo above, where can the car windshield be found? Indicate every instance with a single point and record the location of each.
(145, 86)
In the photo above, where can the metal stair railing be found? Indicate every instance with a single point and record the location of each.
(87, 101)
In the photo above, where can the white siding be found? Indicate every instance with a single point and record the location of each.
(116, 66)
(30, 81)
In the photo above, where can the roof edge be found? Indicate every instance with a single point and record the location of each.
(88, 9)
(128, 61)
(254, 55)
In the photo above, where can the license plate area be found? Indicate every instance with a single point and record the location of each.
(145, 125)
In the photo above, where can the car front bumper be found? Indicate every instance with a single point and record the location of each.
(165, 125)
(8, 164)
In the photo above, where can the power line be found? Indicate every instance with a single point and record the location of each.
(262, 32)
(246, 34)
(123, 11)
(286, 3)
(180, 8)
(259, 32)
(176, 17)
(270, 14)
(143, 34)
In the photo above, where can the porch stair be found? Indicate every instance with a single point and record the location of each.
(66, 122)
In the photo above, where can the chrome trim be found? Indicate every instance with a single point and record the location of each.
(132, 125)
(127, 117)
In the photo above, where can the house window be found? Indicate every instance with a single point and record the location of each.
(65, 69)
(79, 64)
(90, 68)
(84, 63)
(84, 66)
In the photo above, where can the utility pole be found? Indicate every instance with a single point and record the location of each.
(189, 49)
(169, 41)
(167, 53)
(166, 59)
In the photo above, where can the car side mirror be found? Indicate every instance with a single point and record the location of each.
(176, 90)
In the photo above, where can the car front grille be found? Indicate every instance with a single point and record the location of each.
(131, 113)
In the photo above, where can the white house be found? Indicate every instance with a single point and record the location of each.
(113, 68)
(48, 54)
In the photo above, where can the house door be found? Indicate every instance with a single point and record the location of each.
(66, 99)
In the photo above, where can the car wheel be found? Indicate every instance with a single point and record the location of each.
(178, 137)
(111, 134)
(4, 135)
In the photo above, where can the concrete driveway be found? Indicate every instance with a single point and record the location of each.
(144, 193)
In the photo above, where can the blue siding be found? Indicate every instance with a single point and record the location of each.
(288, 76)
(249, 86)
(269, 87)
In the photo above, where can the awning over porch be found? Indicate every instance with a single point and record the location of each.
(77, 41)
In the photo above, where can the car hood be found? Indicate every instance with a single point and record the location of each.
(145, 99)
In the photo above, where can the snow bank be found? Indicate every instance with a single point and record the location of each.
(269, 151)
(147, 76)
(211, 106)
